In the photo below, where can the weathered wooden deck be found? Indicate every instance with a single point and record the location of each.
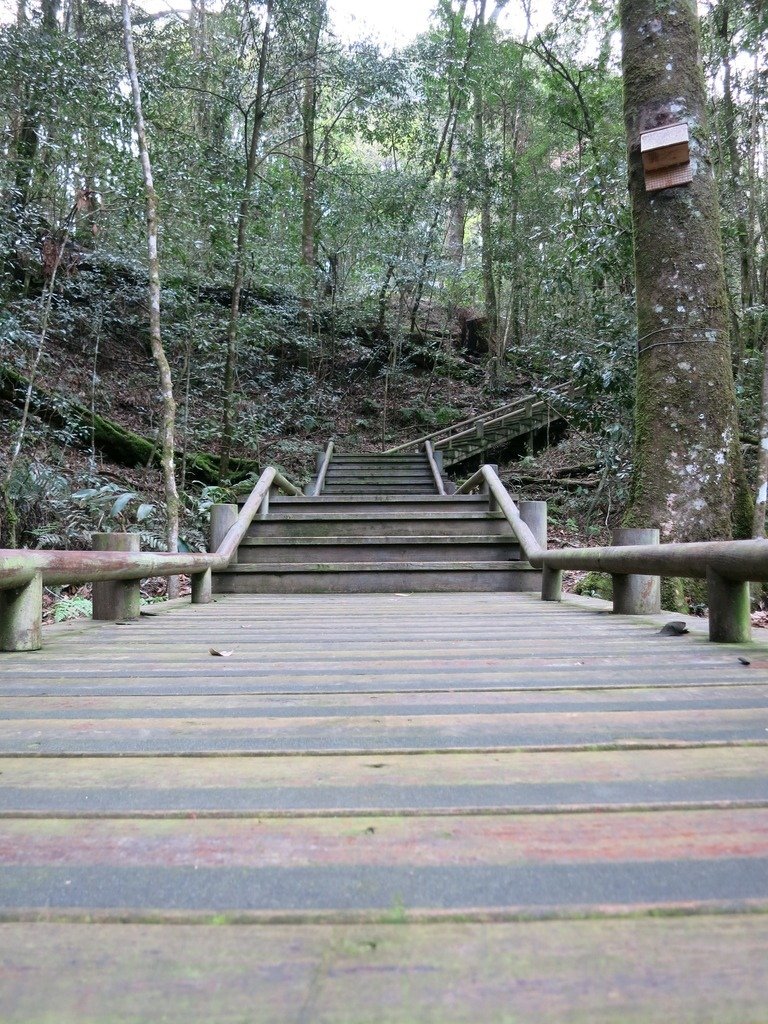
(383, 808)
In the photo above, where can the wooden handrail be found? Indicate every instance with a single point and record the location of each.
(728, 566)
(738, 560)
(531, 548)
(438, 477)
(320, 482)
(58, 567)
(447, 431)
(22, 572)
(528, 408)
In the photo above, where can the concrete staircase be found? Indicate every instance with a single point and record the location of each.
(378, 526)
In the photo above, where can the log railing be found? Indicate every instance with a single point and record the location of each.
(435, 461)
(23, 573)
(727, 566)
(323, 462)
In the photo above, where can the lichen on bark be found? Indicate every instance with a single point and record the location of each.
(689, 480)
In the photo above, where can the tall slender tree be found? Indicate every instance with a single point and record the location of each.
(168, 425)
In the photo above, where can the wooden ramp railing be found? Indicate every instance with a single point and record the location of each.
(23, 573)
(727, 566)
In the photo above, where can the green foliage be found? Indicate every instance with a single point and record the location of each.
(110, 508)
(400, 165)
(76, 607)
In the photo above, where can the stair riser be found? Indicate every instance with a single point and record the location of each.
(418, 551)
(426, 581)
(379, 509)
(383, 486)
(381, 528)
(378, 467)
(380, 478)
(404, 489)
(425, 502)
(379, 460)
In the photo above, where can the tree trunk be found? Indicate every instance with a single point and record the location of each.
(167, 429)
(486, 225)
(257, 115)
(758, 521)
(688, 478)
(730, 131)
(308, 169)
(457, 223)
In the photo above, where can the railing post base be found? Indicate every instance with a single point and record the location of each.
(534, 515)
(202, 587)
(493, 505)
(116, 599)
(551, 584)
(21, 616)
(729, 609)
(223, 518)
(264, 510)
(634, 594)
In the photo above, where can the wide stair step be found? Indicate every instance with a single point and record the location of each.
(458, 548)
(374, 524)
(375, 577)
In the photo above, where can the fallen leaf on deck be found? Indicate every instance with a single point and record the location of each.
(675, 628)
(221, 654)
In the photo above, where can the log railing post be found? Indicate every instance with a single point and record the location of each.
(223, 518)
(729, 609)
(116, 599)
(201, 587)
(551, 584)
(264, 507)
(21, 616)
(493, 505)
(634, 594)
(534, 515)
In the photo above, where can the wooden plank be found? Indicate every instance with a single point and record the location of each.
(535, 782)
(456, 973)
(510, 865)
(651, 798)
(378, 733)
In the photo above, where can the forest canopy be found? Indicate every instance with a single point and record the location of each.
(352, 236)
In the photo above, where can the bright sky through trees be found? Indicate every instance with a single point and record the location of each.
(392, 23)
(398, 21)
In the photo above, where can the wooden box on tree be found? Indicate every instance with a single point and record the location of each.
(666, 157)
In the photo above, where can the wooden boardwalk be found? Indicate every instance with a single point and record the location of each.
(383, 808)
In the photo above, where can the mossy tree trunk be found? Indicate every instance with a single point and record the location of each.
(689, 481)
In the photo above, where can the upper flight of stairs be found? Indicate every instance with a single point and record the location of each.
(379, 525)
(377, 474)
(491, 432)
